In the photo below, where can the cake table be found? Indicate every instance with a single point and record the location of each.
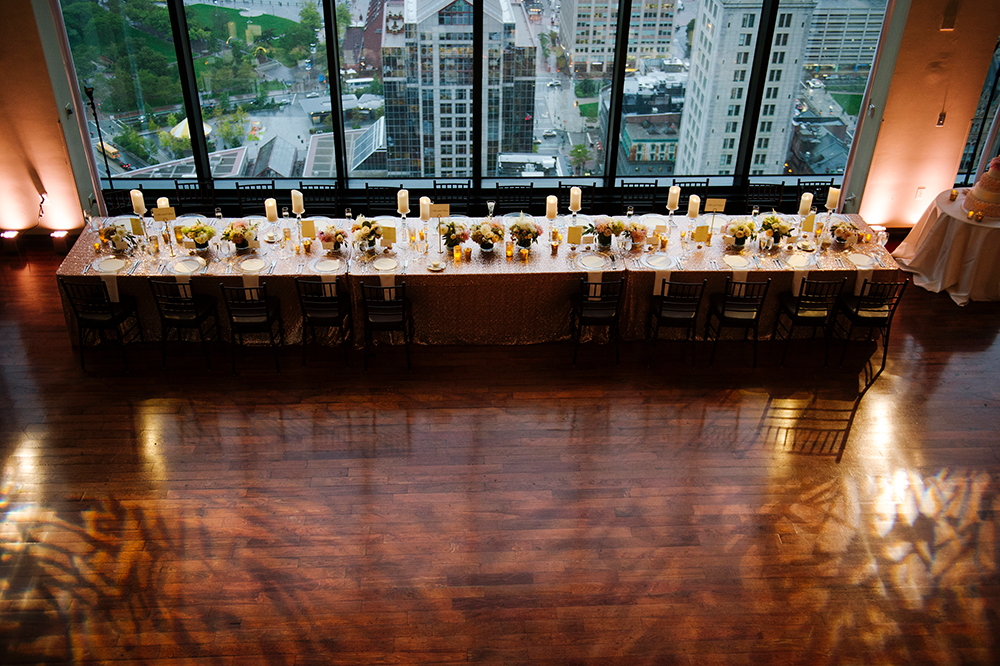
(946, 251)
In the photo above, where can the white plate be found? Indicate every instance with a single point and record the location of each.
(861, 260)
(652, 220)
(736, 261)
(658, 261)
(187, 265)
(592, 261)
(385, 264)
(437, 269)
(324, 265)
(798, 261)
(109, 265)
(806, 246)
(252, 265)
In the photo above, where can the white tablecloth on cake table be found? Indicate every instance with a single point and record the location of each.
(946, 251)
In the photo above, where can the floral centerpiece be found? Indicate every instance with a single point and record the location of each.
(775, 228)
(487, 234)
(525, 231)
(454, 233)
(636, 231)
(334, 236)
(739, 231)
(200, 233)
(366, 231)
(605, 228)
(240, 233)
(845, 233)
(120, 238)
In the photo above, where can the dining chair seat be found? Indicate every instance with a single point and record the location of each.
(95, 312)
(324, 307)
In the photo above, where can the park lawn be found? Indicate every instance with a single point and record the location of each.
(849, 102)
(588, 110)
(266, 21)
(161, 46)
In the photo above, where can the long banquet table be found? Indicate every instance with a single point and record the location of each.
(491, 299)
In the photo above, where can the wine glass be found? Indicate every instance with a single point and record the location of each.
(490, 205)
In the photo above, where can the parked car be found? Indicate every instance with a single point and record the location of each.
(554, 83)
(549, 133)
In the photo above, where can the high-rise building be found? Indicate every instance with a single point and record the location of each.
(427, 56)
(722, 52)
(844, 34)
(587, 31)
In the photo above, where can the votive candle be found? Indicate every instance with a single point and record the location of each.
(674, 198)
(510, 246)
(425, 210)
(163, 202)
(551, 206)
(138, 205)
(458, 253)
(555, 247)
(468, 253)
(805, 203)
(524, 254)
(694, 203)
(575, 198)
(403, 202)
(271, 210)
(832, 198)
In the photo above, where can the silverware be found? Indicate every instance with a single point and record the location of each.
(229, 269)
(879, 260)
(301, 267)
(612, 261)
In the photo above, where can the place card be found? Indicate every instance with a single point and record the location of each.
(189, 244)
(308, 228)
(659, 229)
(588, 238)
(701, 233)
(440, 210)
(388, 234)
(715, 205)
(164, 214)
(254, 244)
(136, 225)
(809, 222)
(574, 234)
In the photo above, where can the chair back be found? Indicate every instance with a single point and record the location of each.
(88, 299)
(682, 298)
(323, 199)
(878, 300)
(818, 296)
(600, 299)
(766, 196)
(252, 196)
(744, 300)
(520, 197)
(174, 300)
(317, 297)
(689, 187)
(384, 305)
(196, 196)
(118, 202)
(586, 196)
(818, 188)
(639, 194)
(381, 200)
(246, 306)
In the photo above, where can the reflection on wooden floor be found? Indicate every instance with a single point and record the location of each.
(498, 506)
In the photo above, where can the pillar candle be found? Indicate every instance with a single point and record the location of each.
(138, 205)
(402, 202)
(832, 198)
(163, 202)
(674, 198)
(271, 210)
(298, 204)
(805, 203)
(575, 197)
(551, 206)
(425, 208)
(694, 202)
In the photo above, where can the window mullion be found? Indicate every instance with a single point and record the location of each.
(755, 90)
(617, 89)
(189, 88)
(336, 104)
(478, 92)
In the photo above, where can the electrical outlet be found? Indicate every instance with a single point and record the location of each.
(920, 193)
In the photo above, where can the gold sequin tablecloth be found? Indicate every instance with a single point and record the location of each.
(490, 299)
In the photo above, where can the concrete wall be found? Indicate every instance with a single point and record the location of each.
(33, 155)
(936, 71)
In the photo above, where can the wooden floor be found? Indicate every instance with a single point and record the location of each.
(497, 505)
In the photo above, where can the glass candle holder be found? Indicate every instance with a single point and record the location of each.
(555, 247)
(524, 254)
(510, 249)
(468, 254)
(458, 254)
(953, 195)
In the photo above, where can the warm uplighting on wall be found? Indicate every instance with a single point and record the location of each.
(59, 241)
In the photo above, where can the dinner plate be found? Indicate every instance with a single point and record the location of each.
(252, 265)
(123, 220)
(651, 220)
(109, 265)
(325, 265)
(186, 265)
(861, 260)
(736, 261)
(384, 264)
(658, 261)
(798, 261)
(593, 261)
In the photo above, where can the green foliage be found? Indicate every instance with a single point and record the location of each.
(849, 102)
(690, 34)
(589, 110)
(586, 88)
(130, 140)
(172, 145)
(231, 131)
(344, 19)
(579, 155)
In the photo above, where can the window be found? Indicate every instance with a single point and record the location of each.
(781, 39)
(740, 75)
(778, 58)
(785, 21)
(771, 93)
(734, 110)
(758, 159)
(748, 20)
(743, 57)
(767, 110)
(746, 39)
(725, 160)
(763, 143)
(765, 126)
(728, 144)
(774, 75)
(731, 127)
(736, 93)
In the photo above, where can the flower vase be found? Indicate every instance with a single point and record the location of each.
(240, 247)
(524, 245)
(604, 242)
(201, 247)
(120, 245)
(486, 247)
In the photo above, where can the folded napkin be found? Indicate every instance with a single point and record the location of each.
(660, 276)
(859, 281)
(251, 280)
(388, 280)
(328, 277)
(184, 281)
(111, 281)
(595, 290)
(797, 278)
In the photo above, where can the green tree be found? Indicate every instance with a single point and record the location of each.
(132, 142)
(344, 19)
(310, 18)
(579, 155)
(586, 88)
